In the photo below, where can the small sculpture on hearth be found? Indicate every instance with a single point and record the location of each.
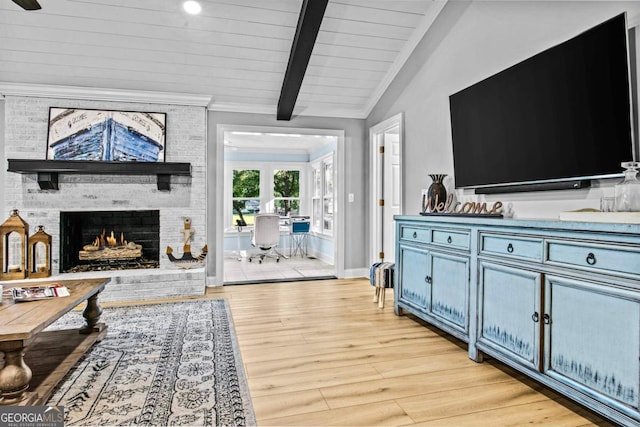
(187, 260)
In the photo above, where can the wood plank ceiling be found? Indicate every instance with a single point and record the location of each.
(235, 51)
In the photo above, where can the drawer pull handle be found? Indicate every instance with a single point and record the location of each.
(415, 234)
(591, 258)
(546, 319)
(535, 317)
(449, 239)
(509, 248)
(427, 279)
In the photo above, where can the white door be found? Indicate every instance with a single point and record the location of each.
(386, 140)
(390, 191)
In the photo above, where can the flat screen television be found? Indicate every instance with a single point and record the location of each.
(555, 120)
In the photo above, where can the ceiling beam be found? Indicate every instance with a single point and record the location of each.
(28, 4)
(307, 29)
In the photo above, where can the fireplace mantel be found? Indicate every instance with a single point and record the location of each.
(48, 170)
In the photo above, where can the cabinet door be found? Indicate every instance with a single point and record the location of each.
(591, 339)
(509, 315)
(450, 289)
(415, 276)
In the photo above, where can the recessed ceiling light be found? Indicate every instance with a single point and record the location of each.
(192, 7)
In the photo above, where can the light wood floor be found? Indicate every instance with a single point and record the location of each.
(321, 353)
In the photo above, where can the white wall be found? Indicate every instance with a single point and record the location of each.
(469, 42)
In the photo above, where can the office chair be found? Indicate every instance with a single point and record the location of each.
(265, 236)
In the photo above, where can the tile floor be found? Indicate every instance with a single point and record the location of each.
(292, 268)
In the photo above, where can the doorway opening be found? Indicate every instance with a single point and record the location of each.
(291, 172)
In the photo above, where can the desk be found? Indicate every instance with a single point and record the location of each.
(22, 340)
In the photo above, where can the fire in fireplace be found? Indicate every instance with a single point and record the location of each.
(103, 241)
(109, 248)
(87, 246)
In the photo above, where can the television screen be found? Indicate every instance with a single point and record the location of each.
(561, 115)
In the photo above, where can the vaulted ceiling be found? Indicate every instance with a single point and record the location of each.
(234, 53)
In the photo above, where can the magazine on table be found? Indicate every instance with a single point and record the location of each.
(54, 290)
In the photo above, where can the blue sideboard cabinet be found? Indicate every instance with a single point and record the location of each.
(557, 300)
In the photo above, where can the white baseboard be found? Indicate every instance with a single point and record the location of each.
(353, 273)
(212, 282)
(322, 257)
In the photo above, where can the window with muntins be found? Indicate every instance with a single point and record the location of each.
(257, 187)
(322, 199)
(286, 192)
(245, 196)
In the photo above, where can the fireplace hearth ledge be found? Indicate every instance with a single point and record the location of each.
(142, 284)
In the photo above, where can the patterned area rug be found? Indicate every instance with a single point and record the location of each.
(160, 365)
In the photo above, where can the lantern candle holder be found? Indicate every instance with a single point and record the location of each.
(40, 254)
(14, 235)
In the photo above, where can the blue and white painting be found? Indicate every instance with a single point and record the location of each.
(123, 136)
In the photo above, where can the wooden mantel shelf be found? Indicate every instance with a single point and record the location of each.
(48, 170)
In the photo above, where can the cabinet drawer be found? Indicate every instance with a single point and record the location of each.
(415, 234)
(516, 247)
(455, 239)
(609, 258)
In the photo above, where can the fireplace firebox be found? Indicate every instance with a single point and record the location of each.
(109, 240)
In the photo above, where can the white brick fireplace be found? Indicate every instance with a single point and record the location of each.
(26, 121)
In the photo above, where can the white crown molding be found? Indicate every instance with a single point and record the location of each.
(242, 108)
(102, 94)
(297, 111)
(342, 113)
(405, 53)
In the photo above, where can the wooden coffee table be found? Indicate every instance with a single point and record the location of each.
(35, 361)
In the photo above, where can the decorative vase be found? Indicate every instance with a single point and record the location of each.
(437, 193)
(627, 192)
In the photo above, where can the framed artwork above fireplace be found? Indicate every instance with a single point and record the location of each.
(106, 135)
